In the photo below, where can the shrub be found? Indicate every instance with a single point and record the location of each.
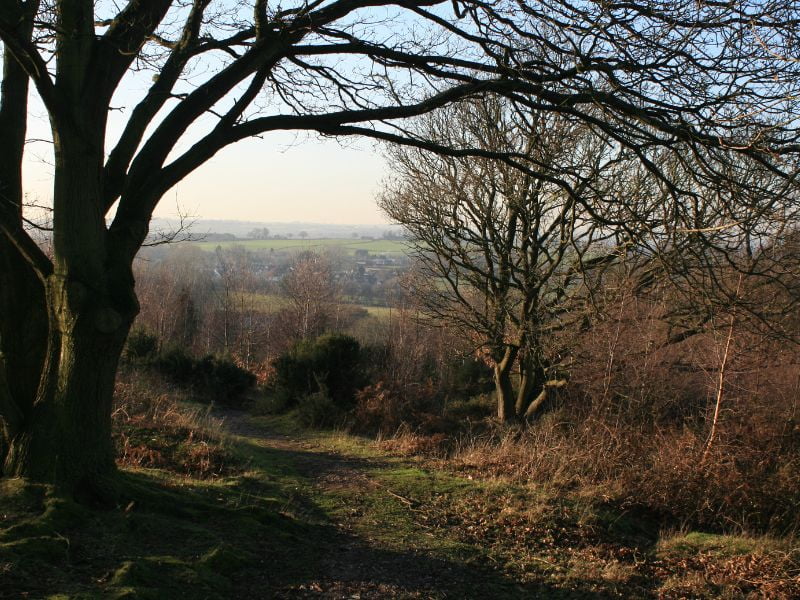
(472, 376)
(271, 402)
(317, 410)
(224, 380)
(177, 365)
(210, 378)
(141, 346)
(331, 362)
(378, 409)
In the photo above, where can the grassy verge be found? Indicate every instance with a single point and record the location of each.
(210, 516)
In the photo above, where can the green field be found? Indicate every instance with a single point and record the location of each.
(270, 303)
(348, 246)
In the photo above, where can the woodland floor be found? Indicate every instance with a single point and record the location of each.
(322, 515)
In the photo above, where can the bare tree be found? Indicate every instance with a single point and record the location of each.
(508, 258)
(688, 77)
(259, 233)
(174, 295)
(312, 293)
(233, 279)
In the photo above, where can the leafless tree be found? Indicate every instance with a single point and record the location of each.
(507, 258)
(695, 78)
(312, 293)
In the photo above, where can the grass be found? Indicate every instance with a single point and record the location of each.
(542, 540)
(167, 538)
(272, 303)
(176, 532)
(264, 303)
(379, 312)
(296, 513)
(348, 246)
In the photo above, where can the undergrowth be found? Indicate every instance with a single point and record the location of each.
(553, 541)
(155, 426)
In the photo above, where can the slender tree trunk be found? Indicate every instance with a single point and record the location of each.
(23, 343)
(547, 389)
(531, 384)
(719, 393)
(23, 335)
(503, 389)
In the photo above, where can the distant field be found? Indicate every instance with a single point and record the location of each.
(270, 303)
(348, 246)
(379, 312)
(265, 303)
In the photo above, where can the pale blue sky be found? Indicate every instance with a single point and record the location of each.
(281, 177)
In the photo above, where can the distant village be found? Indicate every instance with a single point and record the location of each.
(366, 276)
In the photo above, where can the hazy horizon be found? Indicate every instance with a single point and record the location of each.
(241, 228)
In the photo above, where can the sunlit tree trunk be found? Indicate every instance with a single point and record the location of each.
(532, 379)
(504, 390)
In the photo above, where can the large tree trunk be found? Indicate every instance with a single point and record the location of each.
(504, 390)
(65, 438)
(63, 433)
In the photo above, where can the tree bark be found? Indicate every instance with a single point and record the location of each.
(531, 383)
(65, 438)
(535, 407)
(23, 336)
(88, 304)
(503, 389)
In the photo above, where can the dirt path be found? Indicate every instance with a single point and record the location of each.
(358, 562)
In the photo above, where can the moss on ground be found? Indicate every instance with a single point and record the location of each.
(168, 537)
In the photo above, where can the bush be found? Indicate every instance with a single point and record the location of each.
(472, 376)
(177, 365)
(332, 362)
(210, 378)
(141, 346)
(225, 381)
(317, 410)
(378, 410)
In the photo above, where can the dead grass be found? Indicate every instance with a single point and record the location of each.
(702, 565)
(575, 521)
(745, 484)
(155, 427)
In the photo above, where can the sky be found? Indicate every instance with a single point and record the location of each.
(283, 178)
(279, 178)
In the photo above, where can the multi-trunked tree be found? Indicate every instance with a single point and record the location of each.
(707, 81)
